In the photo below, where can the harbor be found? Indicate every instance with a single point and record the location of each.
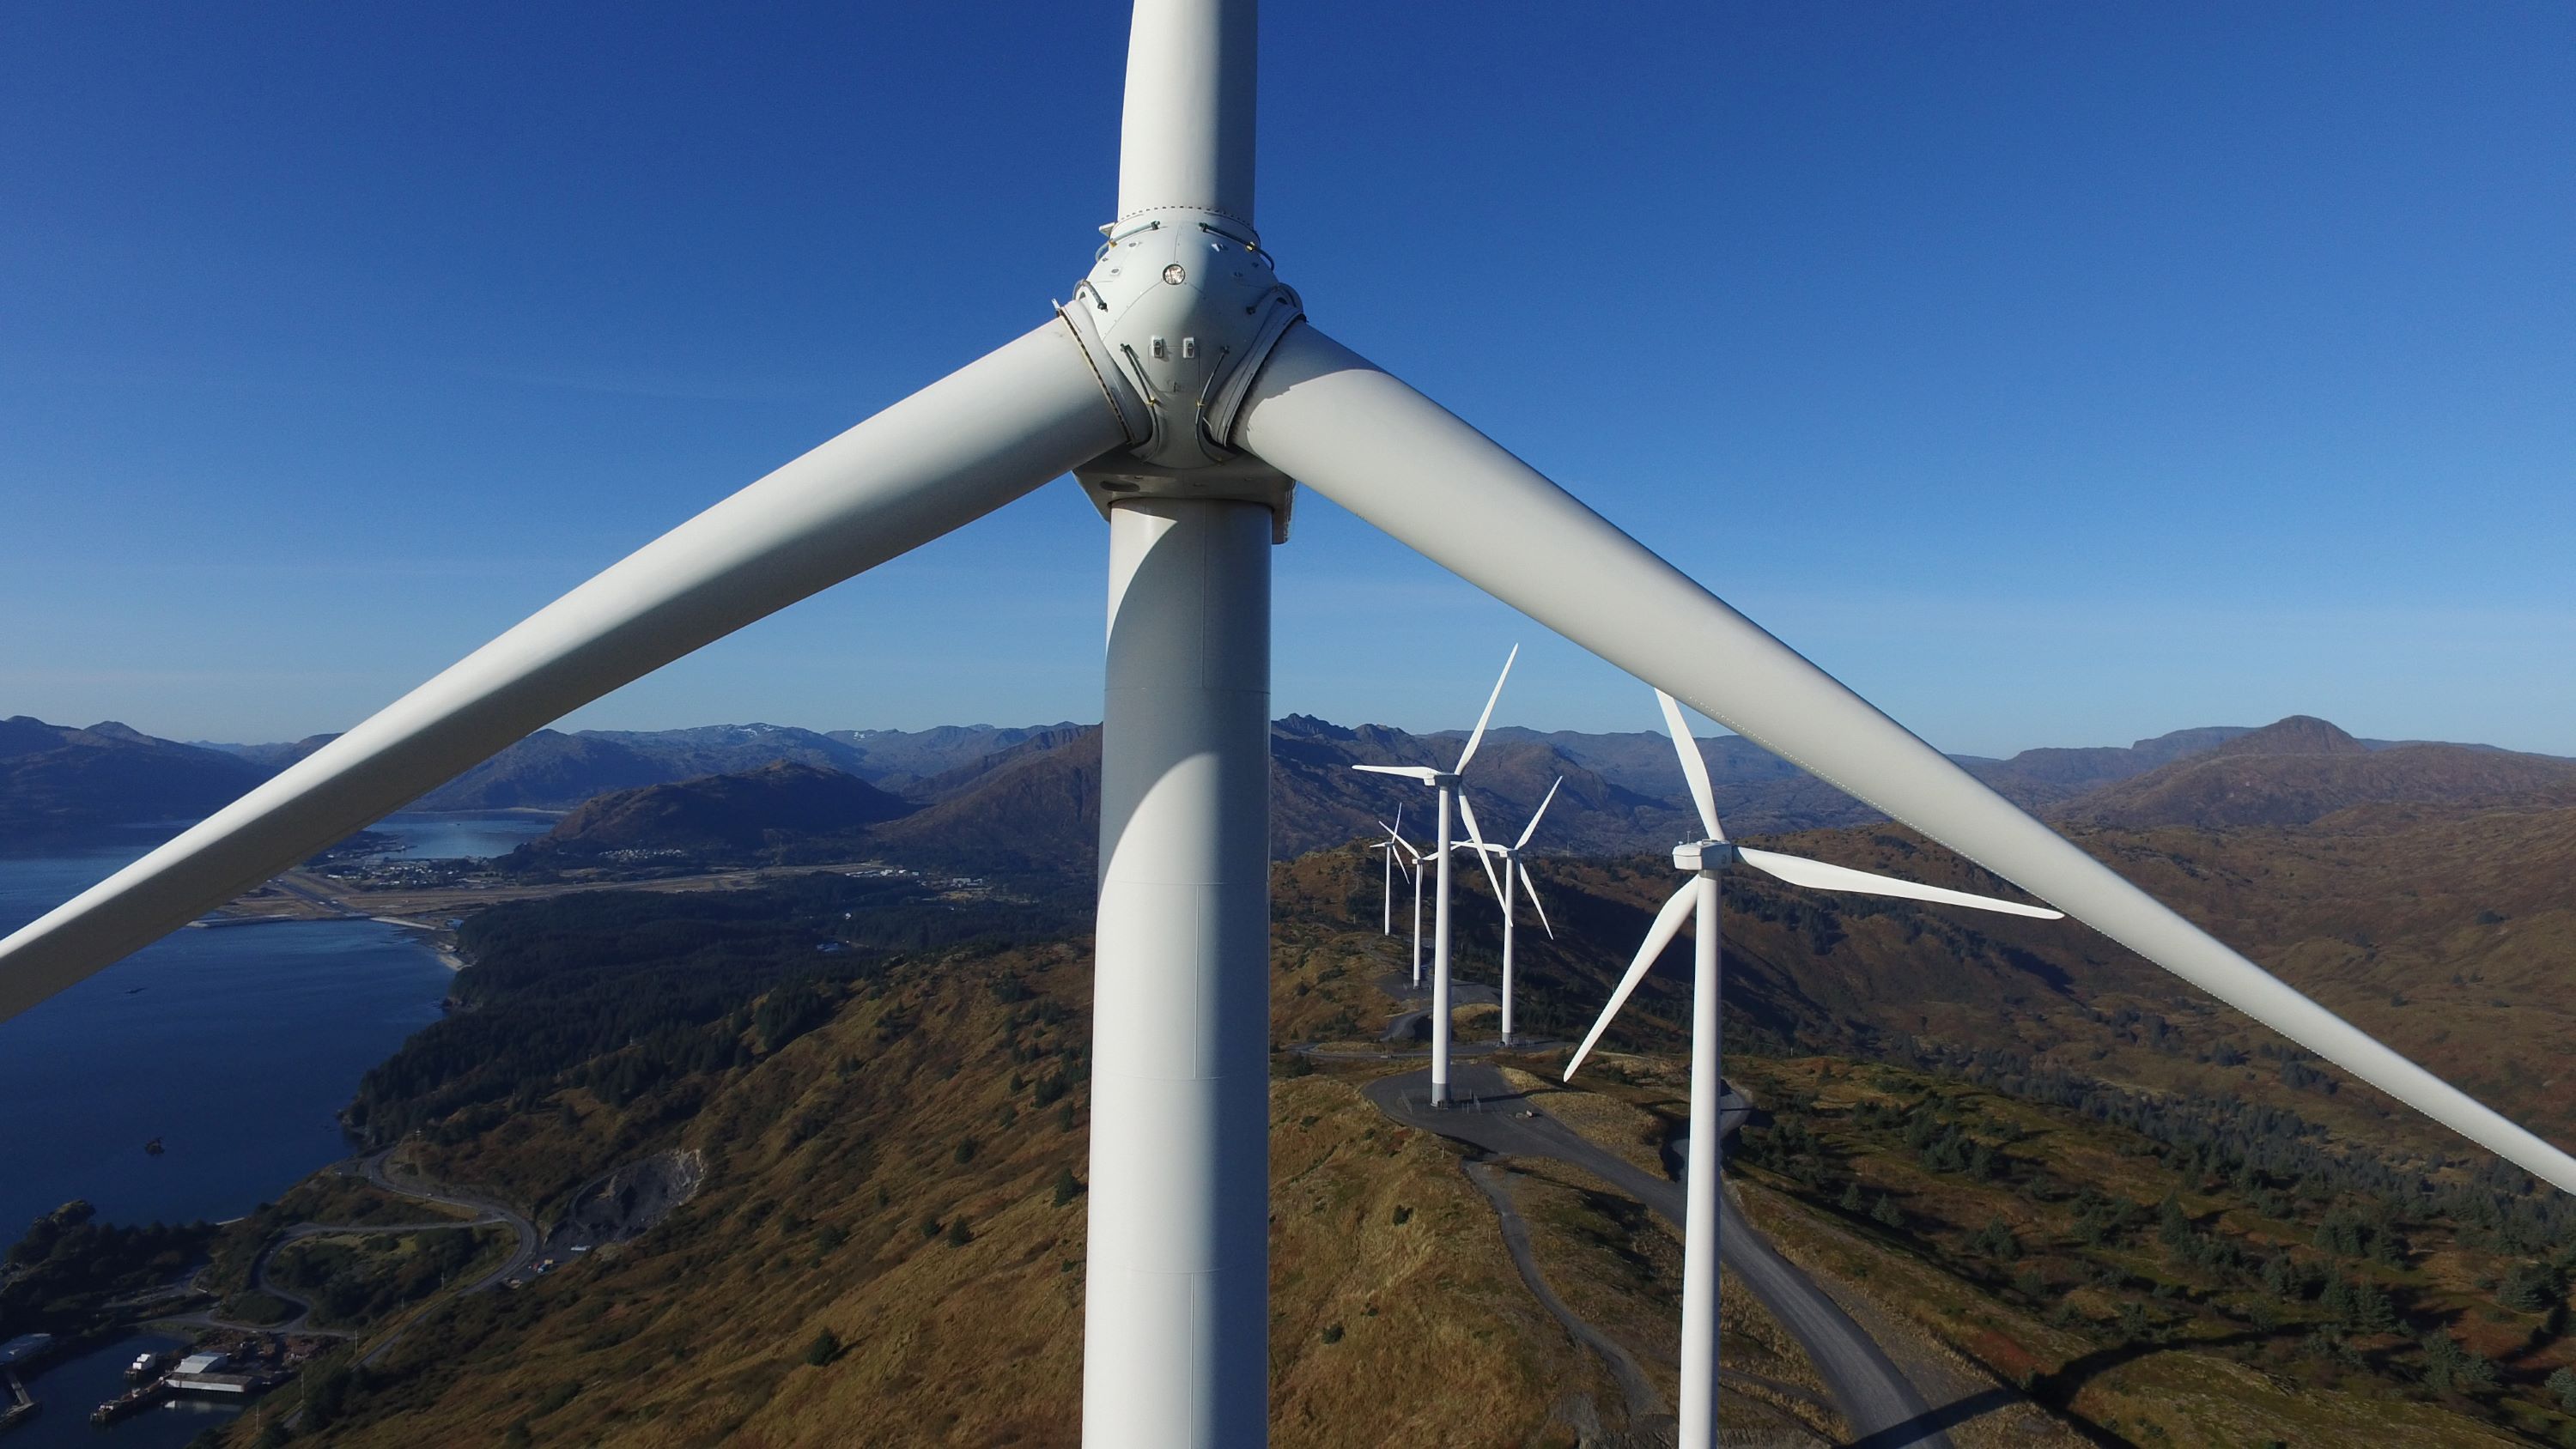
(224, 1369)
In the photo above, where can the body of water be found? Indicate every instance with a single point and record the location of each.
(236, 1047)
(457, 837)
(69, 1388)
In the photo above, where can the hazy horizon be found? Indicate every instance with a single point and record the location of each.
(1705, 728)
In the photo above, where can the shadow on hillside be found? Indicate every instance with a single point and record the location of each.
(2057, 1391)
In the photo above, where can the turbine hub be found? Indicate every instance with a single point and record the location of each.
(1179, 311)
(1704, 857)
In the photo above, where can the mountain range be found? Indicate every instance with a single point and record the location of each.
(1029, 794)
(56, 778)
(1035, 804)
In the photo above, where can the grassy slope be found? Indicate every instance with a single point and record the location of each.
(2210, 1369)
(831, 1156)
(835, 1170)
(2449, 933)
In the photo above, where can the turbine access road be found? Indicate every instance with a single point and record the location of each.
(1884, 1408)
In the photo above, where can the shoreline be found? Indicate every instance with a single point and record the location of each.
(432, 939)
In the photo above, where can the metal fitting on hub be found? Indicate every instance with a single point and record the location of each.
(1179, 311)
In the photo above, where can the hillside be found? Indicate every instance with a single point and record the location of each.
(1033, 806)
(553, 770)
(2302, 770)
(857, 1110)
(54, 778)
(907, 760)
(894, 1153)
(723, 814)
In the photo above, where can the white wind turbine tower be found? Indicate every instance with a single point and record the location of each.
(1445, 783)
(1183, 387)
(1516, 878)
(1706, 861)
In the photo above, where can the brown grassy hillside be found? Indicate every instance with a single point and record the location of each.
(905, 1179)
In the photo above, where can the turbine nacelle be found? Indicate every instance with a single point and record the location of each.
(1704, 857)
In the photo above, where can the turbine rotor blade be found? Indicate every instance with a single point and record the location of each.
(1482, 720)
(1818, 875)
(1325, 416)
(1529, 887)
(1185, 137)
(939, 459)
(1535, 816)
(1424, 773)
(1467, 813)
(1694, 768)
(1668, 924)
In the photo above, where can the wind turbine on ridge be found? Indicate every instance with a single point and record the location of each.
(1706, 860)
(1186, 391)
(1516, 877)
(1393, 842)
(1445, 784)
(1412, 872)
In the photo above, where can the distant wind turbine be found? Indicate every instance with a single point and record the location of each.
(1706, 861)
(1413, 873)
(1516, 878)
(1393, 843)
(1445, 782)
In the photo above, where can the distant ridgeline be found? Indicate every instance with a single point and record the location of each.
(1027, 799)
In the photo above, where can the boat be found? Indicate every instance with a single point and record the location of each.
(145, 1365)
(153, 1147)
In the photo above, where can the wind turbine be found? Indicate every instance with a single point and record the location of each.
(1391, 845)
(1445, 782)
(1185, 390)
(1516, 877)
(1413, 873)
(1706, 861)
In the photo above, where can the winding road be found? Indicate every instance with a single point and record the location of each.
(1883, 1407)
(487, 1210)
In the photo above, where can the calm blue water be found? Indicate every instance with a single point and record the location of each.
(70, 1388)
(235, 1047)
(457, 837)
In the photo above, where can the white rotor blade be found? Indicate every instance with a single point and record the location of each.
(1482, 720)
(1326, 417)
(1185, 137)
(1424, 773)
(1668, 924)
(1467, 813)
(1798, 870)
(939, 459)
(1532, 828)
(1529, 887)
(1694, 768)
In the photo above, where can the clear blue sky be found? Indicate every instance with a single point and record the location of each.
(2052, 373)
